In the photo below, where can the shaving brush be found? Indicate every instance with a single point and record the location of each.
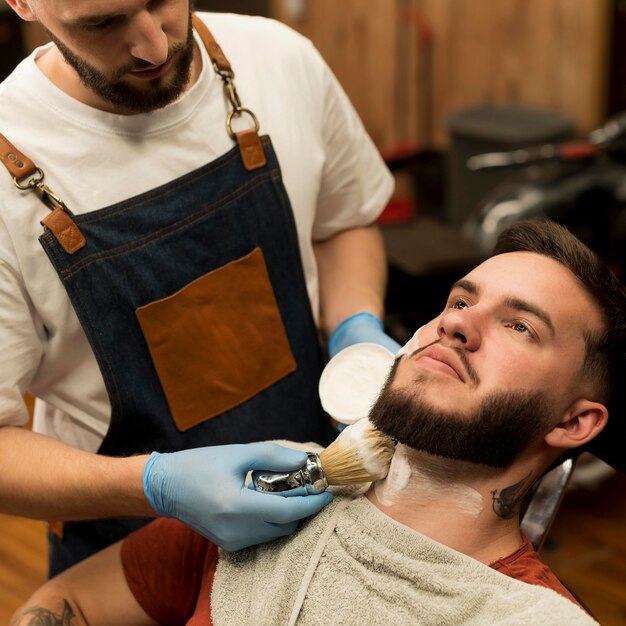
(360, 454)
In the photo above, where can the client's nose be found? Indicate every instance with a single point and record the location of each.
(458, 326)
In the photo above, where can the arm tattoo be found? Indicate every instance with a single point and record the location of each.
(45, 617)
(506, 503)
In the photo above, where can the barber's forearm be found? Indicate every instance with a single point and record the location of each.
(352, 274)
(45, 479)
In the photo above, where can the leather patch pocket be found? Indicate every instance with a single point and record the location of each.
(218, 341)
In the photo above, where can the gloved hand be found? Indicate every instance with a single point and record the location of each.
(204, 488)
(360, 328)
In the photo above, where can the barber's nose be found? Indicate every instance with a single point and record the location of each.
(147, 41)
(459, 327)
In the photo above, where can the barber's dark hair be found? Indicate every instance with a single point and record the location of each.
(606, 351)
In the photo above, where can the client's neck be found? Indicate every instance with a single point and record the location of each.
(470, 508)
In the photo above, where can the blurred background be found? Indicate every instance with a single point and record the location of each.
(486, 112)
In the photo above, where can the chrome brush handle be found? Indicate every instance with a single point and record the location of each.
(310, 476)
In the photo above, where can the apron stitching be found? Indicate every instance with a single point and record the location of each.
(164, 232)
(93, 217)
(99, 214)
(104, 355)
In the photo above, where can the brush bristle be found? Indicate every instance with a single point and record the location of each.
(360, 454)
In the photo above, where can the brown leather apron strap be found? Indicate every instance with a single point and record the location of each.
(59, 221)
(218, 58)
(248, 140)
(18, 164)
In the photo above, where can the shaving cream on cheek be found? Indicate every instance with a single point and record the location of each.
(412, 344)
(363, 437)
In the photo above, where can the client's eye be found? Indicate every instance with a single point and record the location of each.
(458, 303)
(520, 327)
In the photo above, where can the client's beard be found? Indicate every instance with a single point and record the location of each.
(502, 426)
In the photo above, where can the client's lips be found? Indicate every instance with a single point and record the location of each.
(447, 358)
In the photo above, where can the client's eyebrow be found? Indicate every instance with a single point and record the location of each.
(511, 302)
(523, 305)
(466, 285)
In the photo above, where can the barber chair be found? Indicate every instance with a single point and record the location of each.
(543, 502)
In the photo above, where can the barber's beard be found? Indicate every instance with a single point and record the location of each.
(129, 98)
(501, 427)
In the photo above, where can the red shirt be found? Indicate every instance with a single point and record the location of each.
(170, 570)
(524, 564)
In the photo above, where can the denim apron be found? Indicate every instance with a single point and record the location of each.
(194, 301)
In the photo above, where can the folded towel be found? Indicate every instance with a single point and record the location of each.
(352, 564)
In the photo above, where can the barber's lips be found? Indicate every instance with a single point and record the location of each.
(441, 360)
(152, 73)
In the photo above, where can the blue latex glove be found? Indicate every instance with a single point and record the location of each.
(204, 488)
(360, 328)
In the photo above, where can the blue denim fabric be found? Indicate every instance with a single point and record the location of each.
(149, 247)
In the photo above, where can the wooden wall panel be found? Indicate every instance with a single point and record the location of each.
(407, 64)
(358, 40)
(544, 53)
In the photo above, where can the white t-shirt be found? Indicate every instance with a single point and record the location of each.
(333, 174)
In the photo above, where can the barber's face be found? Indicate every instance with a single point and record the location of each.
(498, 368)
(132, 54)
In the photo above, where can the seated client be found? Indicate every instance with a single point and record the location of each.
(522, 368)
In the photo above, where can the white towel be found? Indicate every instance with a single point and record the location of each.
(352, 564)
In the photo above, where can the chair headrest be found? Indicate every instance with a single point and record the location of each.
(610, 444)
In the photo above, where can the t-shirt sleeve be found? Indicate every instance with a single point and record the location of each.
(525, 565)
(19, 335)
(356, 184)
(165, 564)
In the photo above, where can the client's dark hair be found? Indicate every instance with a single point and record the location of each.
(606, 351)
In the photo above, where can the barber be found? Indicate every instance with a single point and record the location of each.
(167, 310)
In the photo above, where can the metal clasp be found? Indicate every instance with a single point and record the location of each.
(229, 87)
(51, 198)
(33, 182)
(228, 78)
(239, 113)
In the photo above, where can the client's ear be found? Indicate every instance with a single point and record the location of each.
(583, 421)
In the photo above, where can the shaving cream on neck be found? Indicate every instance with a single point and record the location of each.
(412, 482)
